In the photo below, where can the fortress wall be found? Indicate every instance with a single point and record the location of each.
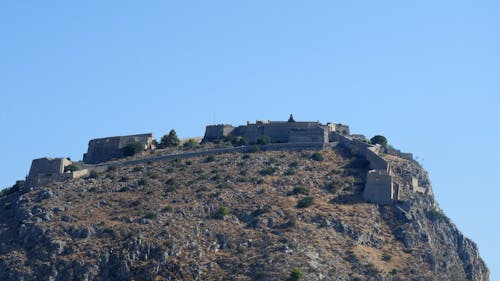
(144, 139)
(105, 149)
(308, 135)
(216, 132)
(379, 188)
(101, 150)
(268, 147)
(376, 161)
(48, 166)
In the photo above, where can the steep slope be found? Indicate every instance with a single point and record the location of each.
(235, 216)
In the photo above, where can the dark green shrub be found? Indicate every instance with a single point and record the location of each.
(71, 168)
(316, 156)
(305, 202)
(268, 171)
(18, 186)
(378, 139)
(210, 158)
(151, 216)
(170, 140)
(225, 185)
(93, 174)
(300, 190)
(253, 149)
(137, 169)
(436, 216)
(124, 189)
(142, 182)
(263, 139)
(132, 148)
(166, 209)
(386, 256)
(296, 274)
(152, 175)
(111, 168)
(190, 143)
(241, 141)
(221, 212)
(171, 185)
(290, 172)
(291, 223)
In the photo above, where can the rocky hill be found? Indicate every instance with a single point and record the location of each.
(267, 215)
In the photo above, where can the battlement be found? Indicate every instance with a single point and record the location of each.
(105, 149)
(277, 131)
(46, 170)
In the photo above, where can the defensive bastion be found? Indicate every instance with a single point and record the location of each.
(380, 187)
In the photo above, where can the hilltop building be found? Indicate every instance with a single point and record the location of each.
(289, 131)
(46, 170)
(106, 149)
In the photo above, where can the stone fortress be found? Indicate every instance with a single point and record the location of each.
(380, 187)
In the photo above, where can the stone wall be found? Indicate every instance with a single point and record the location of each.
(379, 187)
(217, 132)
(398, 153)
(48, 166)
(277, 131)
(44, 171)
(105, 149)
(317, 134)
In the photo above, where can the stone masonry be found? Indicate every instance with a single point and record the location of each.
(277, 131)
(46, 170)
(105, 149)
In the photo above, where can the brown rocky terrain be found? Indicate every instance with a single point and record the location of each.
(233, 216)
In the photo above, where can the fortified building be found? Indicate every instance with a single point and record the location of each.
(381, 186)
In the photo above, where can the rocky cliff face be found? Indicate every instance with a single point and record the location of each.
(255, 216)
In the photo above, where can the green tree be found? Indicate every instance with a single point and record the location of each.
(170, 140)
(378, 139)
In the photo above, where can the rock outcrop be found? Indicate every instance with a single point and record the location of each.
(234, 216)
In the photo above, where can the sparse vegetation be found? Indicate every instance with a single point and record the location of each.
(210, 158)
(221, 212)
(190, 143)
(268, 171)
(305, 202)
(151, 216)
(253, 149)
(71, 168)
(263, 139)
(111, 168)
(296, 274)
(300, 190)
(142, 182)
(132, 149)
(93, 174)
(316, 156)
(435, 215)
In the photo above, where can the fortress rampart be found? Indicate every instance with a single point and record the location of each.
(380, 187)
(277, 131)
(105, 149)
(46, 170)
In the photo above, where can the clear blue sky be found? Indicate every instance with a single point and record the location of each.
(423, 73)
